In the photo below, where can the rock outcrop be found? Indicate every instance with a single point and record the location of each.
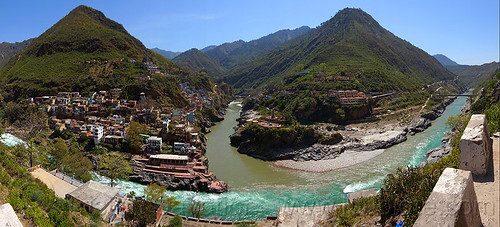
(437, 154)
(172, 183)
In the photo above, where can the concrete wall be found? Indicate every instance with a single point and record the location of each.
(475, 146)
(304, 216)
(452, 202)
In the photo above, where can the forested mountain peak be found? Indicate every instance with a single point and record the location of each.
(83, 51)
(352, 43)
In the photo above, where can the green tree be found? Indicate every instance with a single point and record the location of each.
(114, 166)
(157, 194)
(322, 67)
(493, 117)
(142, 213)
(176, 221)
(197, 208)
(78, 164)
(134, 137)
(299, 68)
(59, 151)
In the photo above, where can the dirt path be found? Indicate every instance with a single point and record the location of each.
(60, 187)
(488, 189)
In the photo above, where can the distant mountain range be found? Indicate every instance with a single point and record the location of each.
(231, 55)
(470, 75)
(168, 54)
(7, 50)
(351, 43)
(86, 50)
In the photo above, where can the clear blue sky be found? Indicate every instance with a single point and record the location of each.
(465, 31)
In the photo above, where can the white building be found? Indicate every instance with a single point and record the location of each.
(154, 143)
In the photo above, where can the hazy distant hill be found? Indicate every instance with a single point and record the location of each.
(211, 47)
(168, 54)
(197, 61)
(86, 51)
(444, 60)
(470, 75)
(7, 50)
(353, 43)
(230, 55)
(449, 64)
(474, 75)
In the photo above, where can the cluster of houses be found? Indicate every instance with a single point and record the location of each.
(198, 99)
(105, 117)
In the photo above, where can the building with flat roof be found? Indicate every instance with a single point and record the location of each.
(8, 216)
(94, 196)
(154, 144)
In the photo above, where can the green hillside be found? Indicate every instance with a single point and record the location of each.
(7, 50)
(352, 43)
(231, 55)
(197, 61)
(474, 75)
(83, 51)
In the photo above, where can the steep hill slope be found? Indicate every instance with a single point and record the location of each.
(83, 51)
(234, 54)
(197, 61)
(352, 43)
(168, 54)
(474, 75)
(7, 50)
(470, 75)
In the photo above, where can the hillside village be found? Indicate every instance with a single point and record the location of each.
(175, 150)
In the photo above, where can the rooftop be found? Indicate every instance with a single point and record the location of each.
(169, 156)
(94, 194)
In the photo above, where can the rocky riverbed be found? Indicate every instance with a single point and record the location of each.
(357, 138)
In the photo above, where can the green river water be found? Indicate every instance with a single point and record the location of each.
(258, 190)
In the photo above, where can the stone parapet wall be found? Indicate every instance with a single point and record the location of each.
(452, 202)
(475, 146)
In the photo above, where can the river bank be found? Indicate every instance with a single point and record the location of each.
(360, 142)
(259, 189)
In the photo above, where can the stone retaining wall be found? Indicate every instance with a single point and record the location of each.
(475, 146)
(452, 202)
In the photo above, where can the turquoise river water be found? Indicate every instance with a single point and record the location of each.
(258, 189)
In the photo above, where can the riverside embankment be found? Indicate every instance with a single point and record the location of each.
(293, 147)
(259, 189)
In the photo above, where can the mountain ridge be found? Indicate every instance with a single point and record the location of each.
(86, 51)
(471, 75)
(351, 42)
(8, 50)
(235, 53)
(445, 61)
